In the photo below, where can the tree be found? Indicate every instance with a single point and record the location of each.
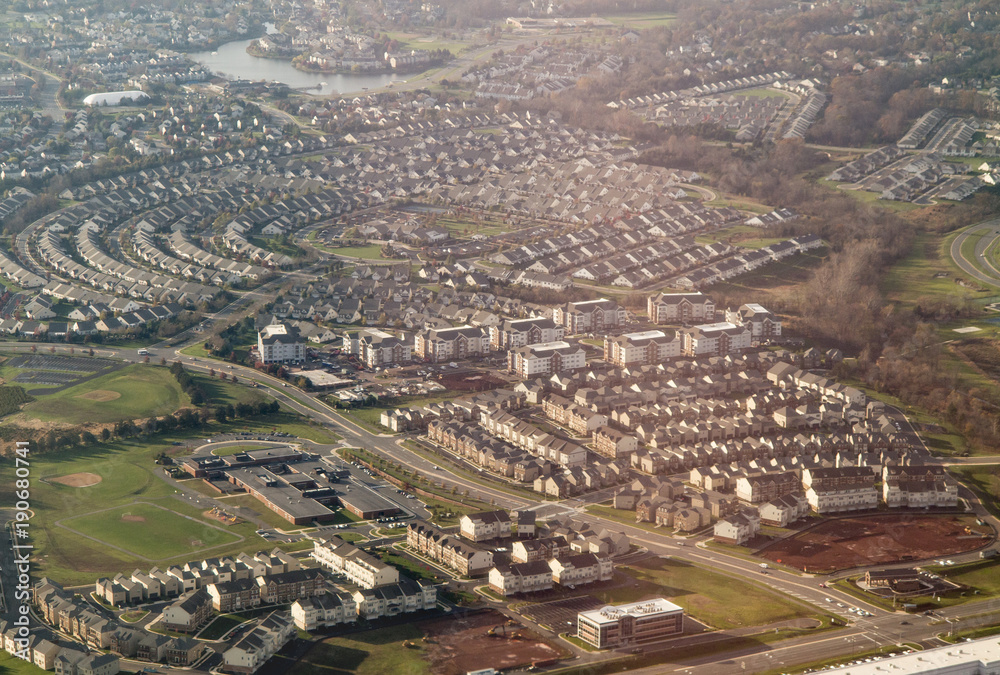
(105, 434)
(221, 415)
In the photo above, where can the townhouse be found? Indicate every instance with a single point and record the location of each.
(836, 490)
(918, 486)
(403, 597)
(762, 323)
(358, 566)
(327, 609)
(256, 647)
(466, 559)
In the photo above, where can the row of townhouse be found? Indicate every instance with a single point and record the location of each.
(745, 261)
(49, 655)
(334, 608)
(254, 649)
(90, 248)
(73, 617)
(270, 589)
(474, 444)
(53, 252)
(489, 525)
(360, 567)
(467, 560)
(532, 439)
(579, 479)
(786, 375)
(157, 584)
(462, 409)
(539, 575)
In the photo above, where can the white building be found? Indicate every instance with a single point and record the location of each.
(547, 358)
(714, 339)
(638, 623)
(400, 598)
(280, 343)
(680, 308)
(646, 348)
(358, 566)
(255, 648)
(328, 609)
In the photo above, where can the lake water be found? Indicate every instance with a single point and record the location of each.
(232, 61)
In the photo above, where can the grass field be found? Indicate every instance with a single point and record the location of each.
(712, 598)
(927, 274)
(984, 480)
(150, 531)
(11, 665)
(134, 391)
(642, 20)
(370, 252)
(374, 652)
(981, 575)
(128, 476)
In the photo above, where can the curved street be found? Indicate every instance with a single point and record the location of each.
(986, 229)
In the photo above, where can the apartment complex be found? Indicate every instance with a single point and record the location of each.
(680, 308)
(280, 343)
(590, 316)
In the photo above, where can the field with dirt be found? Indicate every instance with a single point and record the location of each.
(78, 479)
(877, 540)
(462, 645)
(471, 381)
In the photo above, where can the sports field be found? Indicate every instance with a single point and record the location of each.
(134, 391)
(150, 531)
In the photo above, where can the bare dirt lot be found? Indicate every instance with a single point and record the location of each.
(463, 645)
(876, 540)
(474, 381)
(129, 518)
(78, 479)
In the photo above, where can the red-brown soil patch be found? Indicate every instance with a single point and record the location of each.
(461, 645)
(876, 540)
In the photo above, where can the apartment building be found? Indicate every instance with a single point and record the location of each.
(649, 347)
(451, 344)
(714, 339)
(512, 334)
(280, 343)
(590, 316)
(547, 358)
(680, 308)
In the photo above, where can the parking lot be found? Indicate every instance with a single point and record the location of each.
(73, 364)
(560, 615)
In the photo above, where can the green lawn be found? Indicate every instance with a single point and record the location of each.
(984, 480)
(981, 575)
(128, 475)
(375, 652)
(11, 665)
(223, 450)
(641, 20)
(412, 568)
(219, 627)
(927, 274)
(133, 391)
(370, 252)
(150, 531)
(712, 598)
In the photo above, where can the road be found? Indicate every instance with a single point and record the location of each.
(990, 231)
(881, 628)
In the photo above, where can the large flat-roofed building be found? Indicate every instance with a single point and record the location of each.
(280, 343)
(638, 623)
(978, 657)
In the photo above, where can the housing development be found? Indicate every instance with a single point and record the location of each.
(465, 338)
